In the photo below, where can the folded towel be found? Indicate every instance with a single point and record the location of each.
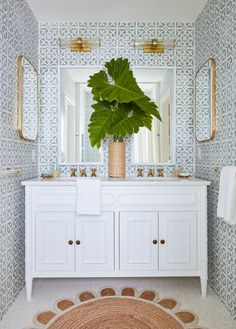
(227, 195)
(88, 200)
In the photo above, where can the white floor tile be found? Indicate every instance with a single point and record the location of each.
(211, 312)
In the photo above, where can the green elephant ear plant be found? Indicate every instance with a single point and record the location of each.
(120, 109)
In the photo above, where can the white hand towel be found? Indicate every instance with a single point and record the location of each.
(227, 195)
(88, 201)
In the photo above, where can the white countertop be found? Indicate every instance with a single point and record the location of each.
(64, 180)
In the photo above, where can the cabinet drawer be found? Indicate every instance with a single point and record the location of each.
(56, 196)
(159, 196)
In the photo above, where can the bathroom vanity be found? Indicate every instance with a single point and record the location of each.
(149, 227)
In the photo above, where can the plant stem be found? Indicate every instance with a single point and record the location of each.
(117, 138)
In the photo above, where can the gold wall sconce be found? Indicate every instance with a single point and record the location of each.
(155, 45)
(79, 44)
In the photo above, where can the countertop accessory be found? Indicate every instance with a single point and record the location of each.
(56, 172)
(184, 175)
(47, 175)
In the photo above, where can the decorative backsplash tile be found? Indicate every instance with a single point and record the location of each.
(215, 36)
(117, 40)
(18, 35)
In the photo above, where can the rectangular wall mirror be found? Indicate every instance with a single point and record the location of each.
(157, 146)
(75, 111)
(27, 100)
(149, 147)
(205, 105)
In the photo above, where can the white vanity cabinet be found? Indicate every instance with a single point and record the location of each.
(147, 228)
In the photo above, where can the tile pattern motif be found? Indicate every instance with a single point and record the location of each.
(18, 35)
(215, 37)
(116, 41)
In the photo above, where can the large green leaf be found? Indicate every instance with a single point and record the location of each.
(127, 119)
(100, 122)
(148, 106)
(122, 107)
(124, 88)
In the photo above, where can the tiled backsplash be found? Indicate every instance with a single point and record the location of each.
(18, 35)
(116, 41)
(215, 36)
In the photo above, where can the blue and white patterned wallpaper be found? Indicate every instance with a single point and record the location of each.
(215, 37)
(117, 41)
(18, 35)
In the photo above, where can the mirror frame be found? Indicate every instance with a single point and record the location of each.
(19, 98)
(213, 101)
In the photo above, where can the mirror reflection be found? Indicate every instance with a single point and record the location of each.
(75, 111)
(156, 146)
(205, 102)
(27, 99)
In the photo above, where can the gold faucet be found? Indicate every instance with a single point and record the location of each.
(140, 172)
(150, 172)
(83, 173)
(160, 172)
(93, 172)
(73, 172)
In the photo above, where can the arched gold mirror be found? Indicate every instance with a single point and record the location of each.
(205, 102)
(27, 123)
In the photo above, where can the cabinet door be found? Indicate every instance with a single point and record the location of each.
(138, 241)
(54, 234)
(178, 240)
(95, 242)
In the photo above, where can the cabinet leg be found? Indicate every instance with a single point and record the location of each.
(203, 286)
(29, 285)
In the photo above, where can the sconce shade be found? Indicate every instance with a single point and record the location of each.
(79, 44)
(154, 45)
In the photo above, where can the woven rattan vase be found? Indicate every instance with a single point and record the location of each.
(116, 159)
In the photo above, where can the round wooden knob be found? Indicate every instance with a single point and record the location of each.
(70, 242)
(78, 242)
(154, 241)
(162, 242)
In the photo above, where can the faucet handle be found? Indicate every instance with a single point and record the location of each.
(73, 172)
(150, 172)
(93, 172)
(160, 172)
(83, 173)
(140, 172)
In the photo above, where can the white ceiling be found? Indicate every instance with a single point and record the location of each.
(119, 10)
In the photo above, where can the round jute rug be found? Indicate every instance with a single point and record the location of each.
(112, 309)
